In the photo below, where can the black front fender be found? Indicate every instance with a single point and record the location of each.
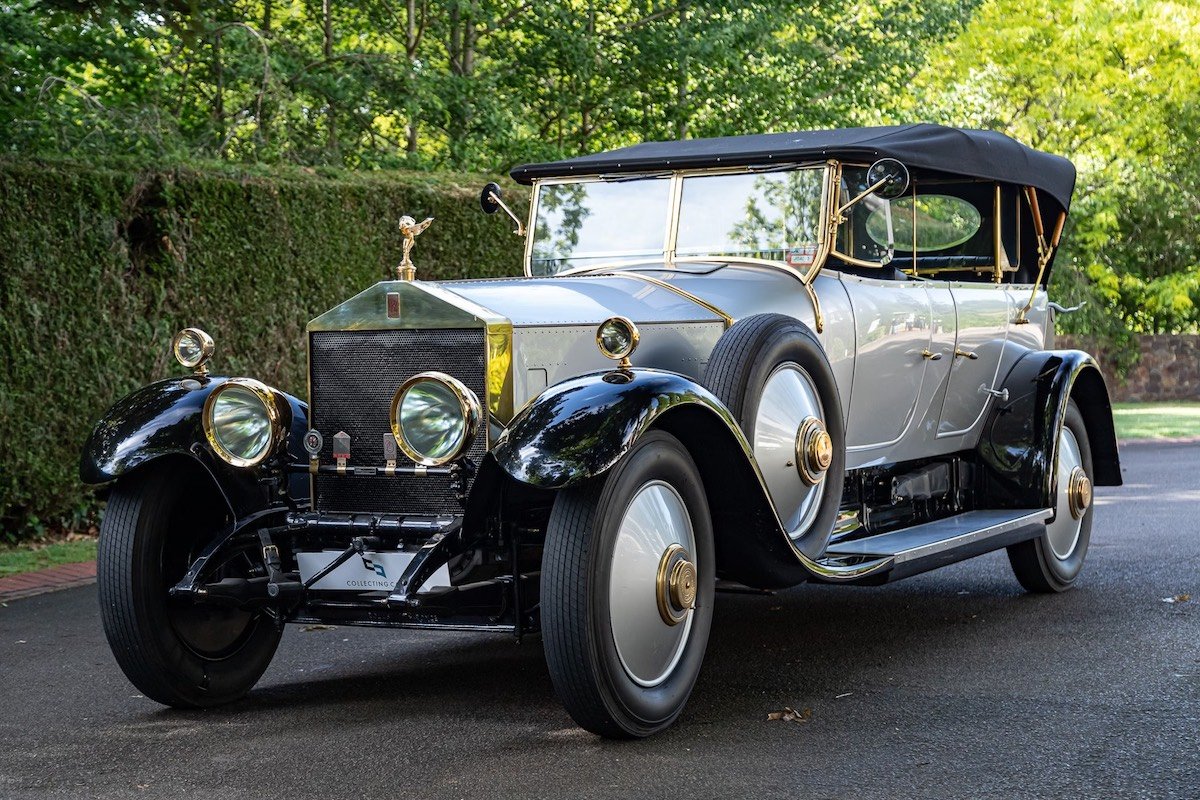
(1019, 446)
(578, 429)
(164, 419)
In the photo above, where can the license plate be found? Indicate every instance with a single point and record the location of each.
(369, 572)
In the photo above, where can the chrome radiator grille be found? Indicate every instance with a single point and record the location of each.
(353, 376)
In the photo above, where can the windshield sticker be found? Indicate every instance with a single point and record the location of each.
(802, 255)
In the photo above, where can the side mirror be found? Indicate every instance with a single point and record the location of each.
(887, 179)
(490, 201)
(489, 198)
(890, 178)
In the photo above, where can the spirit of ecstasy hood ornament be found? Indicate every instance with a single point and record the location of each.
(410, 229)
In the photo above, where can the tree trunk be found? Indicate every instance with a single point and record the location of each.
(411, 41)
(681, 95)
(264, 111)
(463, 36)
(331, 142)
(219, 102)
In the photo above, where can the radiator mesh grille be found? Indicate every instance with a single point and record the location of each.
(354, 375)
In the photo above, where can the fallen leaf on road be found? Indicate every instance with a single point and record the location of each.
(1179, 598)
(790, 715)
(308, 628)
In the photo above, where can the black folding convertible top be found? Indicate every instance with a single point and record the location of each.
(971, 153)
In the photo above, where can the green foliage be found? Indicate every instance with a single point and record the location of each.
(100, 266)
(1157, 420)
(1112, 86)
(26, 558)
(479, 84)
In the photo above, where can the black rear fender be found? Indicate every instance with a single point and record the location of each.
(1019, 445)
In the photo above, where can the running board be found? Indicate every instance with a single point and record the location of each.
(944, 541)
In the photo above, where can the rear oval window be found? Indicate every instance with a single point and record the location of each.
(942, 222)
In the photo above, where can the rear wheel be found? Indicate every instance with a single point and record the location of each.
(1052, 562)
(627, 591)
(772, 373)
(177, 652)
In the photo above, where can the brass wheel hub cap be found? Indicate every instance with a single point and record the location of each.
(676, 586)
(814, 451)
(1079, 492)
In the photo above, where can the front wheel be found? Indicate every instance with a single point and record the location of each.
(176, 652)
(627, 591)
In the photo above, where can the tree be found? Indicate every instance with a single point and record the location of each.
(462, 83)
(1111, 85)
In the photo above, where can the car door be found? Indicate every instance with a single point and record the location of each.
(892, 334)
(983, 312)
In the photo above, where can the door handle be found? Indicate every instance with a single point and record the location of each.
(999, 394)
(965, 354)
(931, 356)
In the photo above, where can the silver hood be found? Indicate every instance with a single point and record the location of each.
(541, 331)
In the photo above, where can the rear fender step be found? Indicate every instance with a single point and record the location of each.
(944, 541)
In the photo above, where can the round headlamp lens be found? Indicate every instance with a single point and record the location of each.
(192, 347)
(617, 338)
(240, 424)
(434, 418)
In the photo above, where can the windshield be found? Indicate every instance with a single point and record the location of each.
(774, 216)
(768, 215)
(595, 222)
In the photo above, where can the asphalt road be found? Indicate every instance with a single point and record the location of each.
(950, 684)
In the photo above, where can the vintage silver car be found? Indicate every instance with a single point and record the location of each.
(757, 361)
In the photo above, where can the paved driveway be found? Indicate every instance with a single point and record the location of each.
(951, 684)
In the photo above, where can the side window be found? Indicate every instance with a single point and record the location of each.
(939, 222)
(942, 228)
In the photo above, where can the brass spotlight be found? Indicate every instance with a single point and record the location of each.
(193, 348)
(617, 338)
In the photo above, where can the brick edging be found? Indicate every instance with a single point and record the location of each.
(51, 579)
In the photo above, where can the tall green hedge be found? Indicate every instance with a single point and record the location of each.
(100, 265)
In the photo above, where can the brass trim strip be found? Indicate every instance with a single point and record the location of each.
(857, 262)
(997, 239)
(728, 320)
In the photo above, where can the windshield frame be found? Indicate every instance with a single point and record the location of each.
(670, 239)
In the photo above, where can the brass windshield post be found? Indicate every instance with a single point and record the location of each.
(830, 194)
(1045, 250)
(997, 239)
